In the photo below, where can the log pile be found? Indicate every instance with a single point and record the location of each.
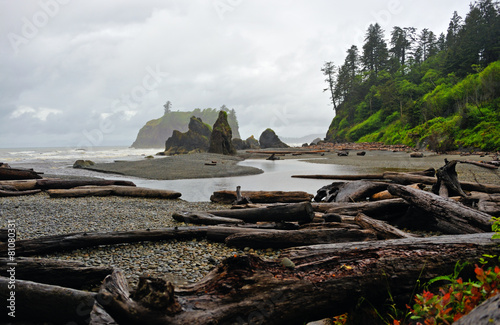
(338, 250)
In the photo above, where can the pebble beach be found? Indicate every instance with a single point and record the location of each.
(181, 262)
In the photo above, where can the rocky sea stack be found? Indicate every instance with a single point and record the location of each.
(220, 140)
(196, 139)
(269, 139)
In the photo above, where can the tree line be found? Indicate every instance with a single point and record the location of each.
(401, 78)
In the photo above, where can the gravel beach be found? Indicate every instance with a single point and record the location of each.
(181, 262)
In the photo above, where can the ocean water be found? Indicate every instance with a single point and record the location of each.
(276, 177)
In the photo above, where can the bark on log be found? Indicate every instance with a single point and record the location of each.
(118, 190)
(219, 233)
(17, 174)
(204, 218)
(57, 243)
(285, 239)
(49, 184)
(300, 212)
(70, 274)
(46, 303)
(228, 197)
(327, 280)
(18, 193)
(382, 229)
(451, 217)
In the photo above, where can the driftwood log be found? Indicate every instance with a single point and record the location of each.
(204, 218)
(447, 181)
(407, 179)
(285, 238)
(450, 217)
(7, 173)
(487, 203)
(41, 303)
(486, 313)
(428, 172)
(381, 210)
(57, 243)
(300, 212)
(70, 274)
(323, 280)
(4, 193)
(382, 229)
(228, 197)
(118, 190)
(48, 184)
(21, 185)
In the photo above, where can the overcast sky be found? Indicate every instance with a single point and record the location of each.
(92, 73)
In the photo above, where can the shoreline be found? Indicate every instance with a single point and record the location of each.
(200, 165)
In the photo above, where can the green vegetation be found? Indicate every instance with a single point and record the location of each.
(440, 93)
(157, 131)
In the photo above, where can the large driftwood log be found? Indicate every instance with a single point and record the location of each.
(204, 218)
(49, 184)
(228, 197)
(382, 229)
(118, 190)
(326, 280)
(381, 210)
(17, 173)
(285, 239)
(70, 274)
(57, 243)
(300, 212)
(40, 303)
(451, 217)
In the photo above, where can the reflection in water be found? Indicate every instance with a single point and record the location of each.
(276, 177)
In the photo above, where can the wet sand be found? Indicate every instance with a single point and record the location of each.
(199, 165)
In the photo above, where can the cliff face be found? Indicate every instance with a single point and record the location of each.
(156, 132)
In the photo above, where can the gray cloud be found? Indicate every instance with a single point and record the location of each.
(94, 72)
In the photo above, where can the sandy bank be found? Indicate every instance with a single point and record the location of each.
(180, 167)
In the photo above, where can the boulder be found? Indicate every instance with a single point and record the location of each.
(83, 163)
(249, 143)
(269, 139)
(316, 141)
(196, 139)
(220, 140)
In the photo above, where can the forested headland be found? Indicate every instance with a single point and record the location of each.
(439, 92)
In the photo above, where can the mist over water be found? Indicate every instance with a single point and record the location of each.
(276, 177)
